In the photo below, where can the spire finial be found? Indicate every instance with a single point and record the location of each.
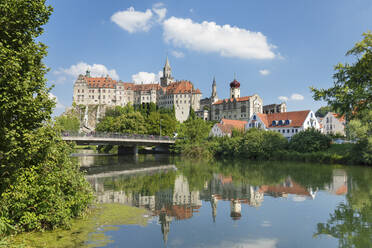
(234, 75)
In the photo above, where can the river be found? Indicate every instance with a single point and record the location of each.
(183, 203)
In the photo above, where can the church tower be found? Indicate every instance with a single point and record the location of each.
(214, 97)
(234, 89)
(167, 75)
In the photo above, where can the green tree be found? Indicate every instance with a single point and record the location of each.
(310, 140)
(68, 123)
(194, 130)
(322, 111)
(40, 186)
(133, 123)
(361, 130)
(352, 90)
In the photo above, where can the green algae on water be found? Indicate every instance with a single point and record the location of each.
(86, 232)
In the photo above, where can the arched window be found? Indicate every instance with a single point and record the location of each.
(280, 122)
(273, 123)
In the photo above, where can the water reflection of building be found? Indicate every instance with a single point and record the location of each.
(180, 202)
(288, 187)
(338, 186)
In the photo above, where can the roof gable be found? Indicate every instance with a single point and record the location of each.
(297, 118)
(181, 87)
(238, 99)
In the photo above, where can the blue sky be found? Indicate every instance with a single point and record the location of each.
(276, 48)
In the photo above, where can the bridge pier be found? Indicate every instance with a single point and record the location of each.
(125, 150)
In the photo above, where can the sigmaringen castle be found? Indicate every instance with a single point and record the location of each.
(182, 95)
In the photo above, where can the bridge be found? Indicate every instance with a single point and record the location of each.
(128, 143)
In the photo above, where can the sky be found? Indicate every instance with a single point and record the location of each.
(276, 49)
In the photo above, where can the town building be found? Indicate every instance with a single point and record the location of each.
(236, 107)
(287, 123)
(332, 123)
(275, 108)
(226, 126)
(105, 91)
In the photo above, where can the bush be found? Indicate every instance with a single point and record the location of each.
(310, 140)
(49, 190)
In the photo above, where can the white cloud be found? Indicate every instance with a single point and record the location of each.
(283, 98)
(157, 5)
(228, 41)
(146, 77)
(297, 97)
(178, 54)
(294, 97)
(132, 20)
(96, 70)
(299, 198)
(160, 11)
(59, 105)
(264, 72)
(246, 243)
(191, 10)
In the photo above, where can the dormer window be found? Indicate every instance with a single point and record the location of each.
(254, 117)
(273, 123)
(280, 123)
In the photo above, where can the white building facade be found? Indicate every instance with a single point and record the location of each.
(332, 123)
(236, 107)
(287, 123)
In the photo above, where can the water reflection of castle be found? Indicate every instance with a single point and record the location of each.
(181, 203)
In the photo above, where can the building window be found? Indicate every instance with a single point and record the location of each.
(287, 130)
(283, 131)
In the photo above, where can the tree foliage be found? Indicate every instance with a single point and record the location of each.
(310, 140)
(40, 187)
(322, 111)
(68, 123)
(139, 119)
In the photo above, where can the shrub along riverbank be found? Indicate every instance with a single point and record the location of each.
(256, 144)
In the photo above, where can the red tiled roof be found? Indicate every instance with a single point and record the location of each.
(144, 87)
(337, 116)
(235, 123)
(181, 87)
(296, 189)
(100, 82)
(297, 118)
(239, 99)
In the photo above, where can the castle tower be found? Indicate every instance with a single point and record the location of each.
(165, 226)
(235, 209)
(234, 89)
(214, 96)
(167, 74)
(214, 201)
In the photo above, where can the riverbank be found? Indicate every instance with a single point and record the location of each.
(262, 146)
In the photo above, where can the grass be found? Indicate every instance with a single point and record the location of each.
(85, 232)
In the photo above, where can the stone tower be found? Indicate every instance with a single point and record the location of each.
(167, 75)
(214, 97)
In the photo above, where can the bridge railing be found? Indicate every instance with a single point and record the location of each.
(117, 135)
